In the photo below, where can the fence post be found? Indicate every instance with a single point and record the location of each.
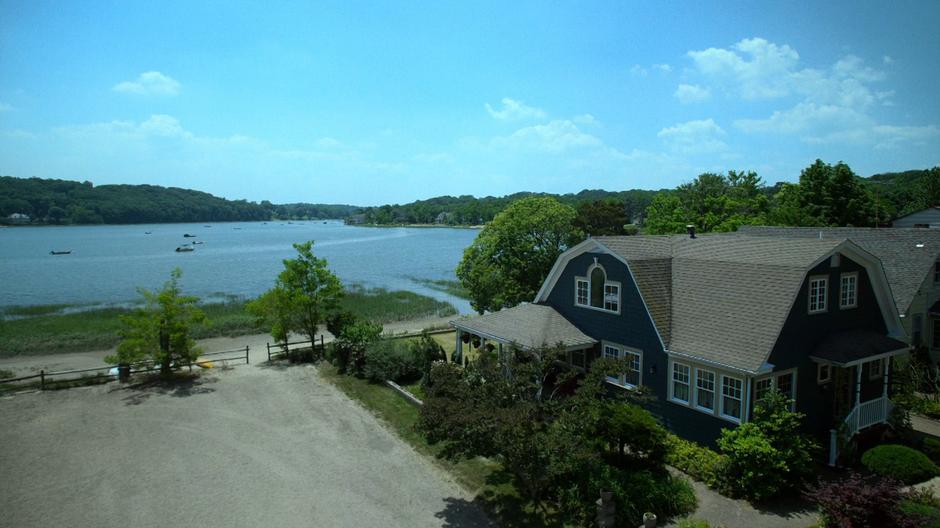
(42, 380)
(247, 361)
(269, 351)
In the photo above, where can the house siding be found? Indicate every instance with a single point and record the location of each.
(632, 327)
(927, 217)
(802, 332)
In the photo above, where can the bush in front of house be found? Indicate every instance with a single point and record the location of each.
(702, 463)
(348, 351)
(900, 462)
(931, 447)
(870, 501)
(627, 424)
(768, 456)
(923, 505)
(391, 359)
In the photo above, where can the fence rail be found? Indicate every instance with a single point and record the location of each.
(285, 349)
(61, 376)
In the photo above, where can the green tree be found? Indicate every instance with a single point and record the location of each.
(601, 217)
(513, 254)
(161, 331)
(835, 196)
(711, 202)
(305, 294)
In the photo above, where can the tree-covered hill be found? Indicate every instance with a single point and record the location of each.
(71, 202)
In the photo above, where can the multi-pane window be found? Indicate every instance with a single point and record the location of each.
(785, 384)
(705, 389)
(680, 382)
(762, 388)
(578, 358)
(611, 297)
(598, 278)
(817, 294)
(582, 292)
(631, 377)
(823, 373)
(848, 290)
(731, 391)
(935, 341)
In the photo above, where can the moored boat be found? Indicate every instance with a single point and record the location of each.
(69, 252)
(184, 249)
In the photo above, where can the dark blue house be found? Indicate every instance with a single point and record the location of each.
(711, 324)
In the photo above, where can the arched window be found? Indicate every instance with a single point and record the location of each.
(595, 291)
(598, 278)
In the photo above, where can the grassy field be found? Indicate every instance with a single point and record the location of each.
(46, 330)
(484, 477)
(450, 287)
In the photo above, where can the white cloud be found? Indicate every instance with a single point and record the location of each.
(664, 68)
(513, 110)
(694, 137)
(149, 83)
(586, 119)
(5, 107)
(691, 93)
(556, 136)
(755, 67)
(887, 59)
(638, 71)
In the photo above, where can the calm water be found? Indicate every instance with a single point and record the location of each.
(108, 263)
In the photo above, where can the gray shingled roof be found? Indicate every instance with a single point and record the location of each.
(723, 299)
(846, 347)
(528, 326)
(906, 265)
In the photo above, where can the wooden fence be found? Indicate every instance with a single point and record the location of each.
(287, 349)
(46, 379)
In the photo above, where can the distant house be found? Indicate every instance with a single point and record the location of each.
(929, 217)
(711, 324)
(18, 218)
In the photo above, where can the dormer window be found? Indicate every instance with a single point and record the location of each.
(818, 294)
(595, 291)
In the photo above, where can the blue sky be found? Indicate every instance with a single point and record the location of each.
(371, 103)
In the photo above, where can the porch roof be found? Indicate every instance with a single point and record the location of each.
(528, 326)
(856, 346)
(934, 309)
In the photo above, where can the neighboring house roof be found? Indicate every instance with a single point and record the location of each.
(528, 326)
(723, 299)
(906, 265)
(853, 346)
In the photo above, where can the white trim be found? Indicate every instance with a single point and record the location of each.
(821, 307)
(622, 351)
(773, 377)
(819, 379)
(842, 277)
(600, 308)
(766, 367)
(586, 281)
(881, 368)
(856, 362)
(672, 383)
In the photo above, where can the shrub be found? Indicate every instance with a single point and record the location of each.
(389, 359)
(931, 448)
(768, 456)
(694, 523)
(702, 463)
(638, 492)
(427, 351)
(863, 502)
(923, 506)
(900, 462)
(349, 349)
(633, 432)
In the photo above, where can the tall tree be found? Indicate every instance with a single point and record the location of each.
(601, 217)
(835, 195)
(161, 331)
(305, 294)
(711, 202)
(513, 254)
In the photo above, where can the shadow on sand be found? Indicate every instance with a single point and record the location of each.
(179, 385)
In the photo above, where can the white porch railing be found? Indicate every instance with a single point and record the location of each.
(868, 414)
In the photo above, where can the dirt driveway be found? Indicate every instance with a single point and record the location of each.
(253, 446)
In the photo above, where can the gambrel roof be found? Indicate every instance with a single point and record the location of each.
(528, 326)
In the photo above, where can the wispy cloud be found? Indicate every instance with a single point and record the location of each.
(691, 93)
(513, 110)
(150, 83)
(694, 137)
(4, 107)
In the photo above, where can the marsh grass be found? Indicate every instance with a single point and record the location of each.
(450, 287)
(49, 331)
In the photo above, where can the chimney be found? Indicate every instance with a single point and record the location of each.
(691, 229)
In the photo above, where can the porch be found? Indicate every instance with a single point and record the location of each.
(858, 364)
(523, 327)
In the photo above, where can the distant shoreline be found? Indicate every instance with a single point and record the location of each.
(423, 226)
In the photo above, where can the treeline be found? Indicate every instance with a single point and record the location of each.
(468, 210)
(826, 195)
(53, 201)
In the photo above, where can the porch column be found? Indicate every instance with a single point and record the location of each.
(884, 387)
(459, 348)
(858, 392)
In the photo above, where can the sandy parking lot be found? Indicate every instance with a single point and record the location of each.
(253, 446)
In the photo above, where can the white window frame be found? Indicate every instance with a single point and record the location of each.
(587, 297)
(673, 381)
(760, 381)
(843, 305)
(584, 358)
(621, 351)
(714, 383)
(820, 379)
(740, 398)
(612, 298)
(773, 377)
(824, 305)
(604, 300)
(872, 375)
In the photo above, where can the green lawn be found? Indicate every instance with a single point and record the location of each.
(485, 478)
